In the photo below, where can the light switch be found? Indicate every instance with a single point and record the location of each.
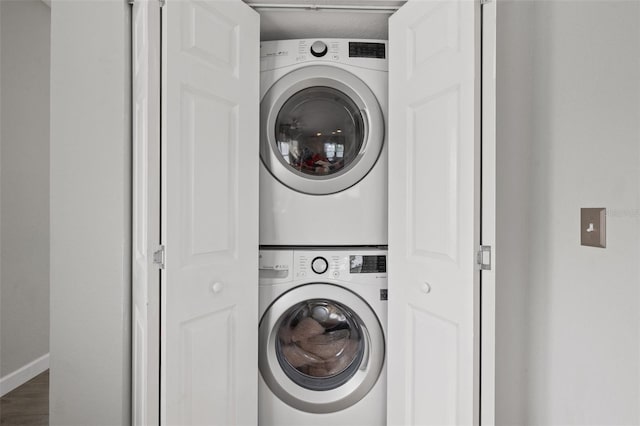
(593, 223)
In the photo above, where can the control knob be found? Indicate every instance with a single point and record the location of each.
(319, 265)
(319, 49)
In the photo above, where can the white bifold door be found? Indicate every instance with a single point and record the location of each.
(209, 336)
(208, 216)
(434, 206)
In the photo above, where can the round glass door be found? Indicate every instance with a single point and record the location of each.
(320, 344)
(322, 130)
(320, 354)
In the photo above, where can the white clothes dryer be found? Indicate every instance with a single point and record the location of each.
(323, 176)
(323, 322)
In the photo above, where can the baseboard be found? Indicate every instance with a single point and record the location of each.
(23, 374)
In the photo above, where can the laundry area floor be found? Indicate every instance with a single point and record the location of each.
(28, 404)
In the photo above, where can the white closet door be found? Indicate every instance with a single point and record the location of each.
(434, 183)
(209, 341)
(146, 211)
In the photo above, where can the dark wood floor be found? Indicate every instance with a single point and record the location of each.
(27, 405)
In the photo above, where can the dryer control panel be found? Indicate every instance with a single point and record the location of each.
(370, 54)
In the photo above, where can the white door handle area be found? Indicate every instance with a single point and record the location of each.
(217, 287)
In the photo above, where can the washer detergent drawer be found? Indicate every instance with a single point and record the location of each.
(275, 266)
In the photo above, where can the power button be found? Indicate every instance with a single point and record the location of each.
(319, 49)
(319, 265)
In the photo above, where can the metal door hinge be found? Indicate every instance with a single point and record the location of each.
(486, 1)
(163, 3)
(131, 2)
(158, 257)
(483, 258)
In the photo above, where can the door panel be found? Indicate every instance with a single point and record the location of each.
(146, 211)
(441, 388)
(433, 175)
(434, 198)
(210, 200)
(198, 370)
(209, 135)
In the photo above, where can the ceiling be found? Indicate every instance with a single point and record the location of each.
(337, 3)
(290, 19)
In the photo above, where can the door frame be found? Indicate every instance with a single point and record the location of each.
(488, 212)
(488, 279)
(145, 224)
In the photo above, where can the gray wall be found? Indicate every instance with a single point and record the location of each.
(24, 255)
(569, 137)
(514, 142)
(568, 97)
(90, 213)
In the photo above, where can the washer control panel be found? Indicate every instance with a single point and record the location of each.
(367, 264)
(352, 265)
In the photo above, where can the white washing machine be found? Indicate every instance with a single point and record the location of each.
(322, 337)
(323, 176)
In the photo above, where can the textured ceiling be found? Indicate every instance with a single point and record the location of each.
(296, 22)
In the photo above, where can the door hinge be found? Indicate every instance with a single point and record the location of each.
(486, 1)
(131, 2)
(158, 257)
(483, 258)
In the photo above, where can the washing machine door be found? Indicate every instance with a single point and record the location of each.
(321, 348)
(322, 130)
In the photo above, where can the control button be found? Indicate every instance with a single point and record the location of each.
(319, 49)
(336, 274)
(319, 265)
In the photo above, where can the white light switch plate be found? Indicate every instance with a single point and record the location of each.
(593, 224)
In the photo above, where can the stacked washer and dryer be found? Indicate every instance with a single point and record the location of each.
(323, 232)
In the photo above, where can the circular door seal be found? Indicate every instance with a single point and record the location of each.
(322, 130)
(320, 354)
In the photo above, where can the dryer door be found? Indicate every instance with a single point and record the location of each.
(320, 353)
(322, 130)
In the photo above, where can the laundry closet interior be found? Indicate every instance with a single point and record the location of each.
(313, 208)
